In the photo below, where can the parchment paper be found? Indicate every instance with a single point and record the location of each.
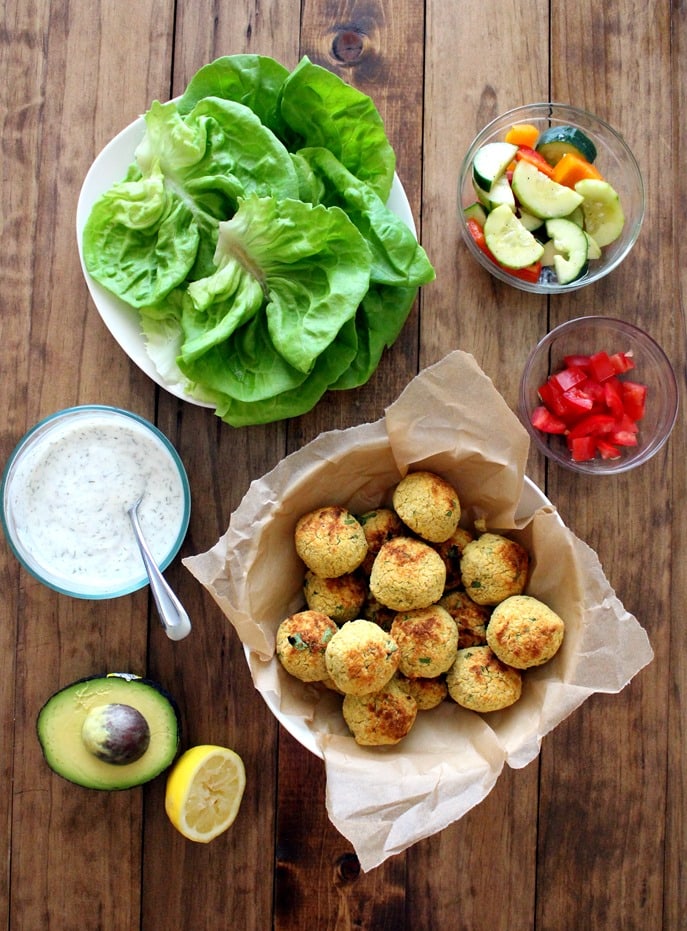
(450, 419)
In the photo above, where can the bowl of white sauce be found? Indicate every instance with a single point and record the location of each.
(65, 493)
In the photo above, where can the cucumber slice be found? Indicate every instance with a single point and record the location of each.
(530, 222)
(557, 140)
(490, 163)
(540, 195)
(475, 212)
(603, 213)
(508, 240)
(577, 216)
(570, 249)
(593, 248)
(548, 254)
(500, 193)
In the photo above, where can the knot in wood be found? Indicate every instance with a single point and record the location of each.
(347, 869)
(347, 46)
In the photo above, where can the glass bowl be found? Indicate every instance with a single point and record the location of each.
(65, 492)
(614, 160)
(587, 335)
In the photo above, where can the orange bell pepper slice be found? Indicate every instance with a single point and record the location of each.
(572, 168)
(523, 134)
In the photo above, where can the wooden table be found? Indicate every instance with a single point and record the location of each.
(593, 833)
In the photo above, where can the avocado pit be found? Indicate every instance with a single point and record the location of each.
(116, 733)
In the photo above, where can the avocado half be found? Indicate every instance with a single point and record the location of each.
(109, 732)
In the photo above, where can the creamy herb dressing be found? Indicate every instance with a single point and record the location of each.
(69, 495)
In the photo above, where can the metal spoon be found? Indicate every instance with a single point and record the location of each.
(175, 620)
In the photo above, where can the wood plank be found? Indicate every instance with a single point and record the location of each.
(604, 771)
(382, 39)
(455, 874)
(73, 851)
(205, 884)
(675, 879)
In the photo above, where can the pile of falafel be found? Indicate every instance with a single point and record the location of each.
(406, 609)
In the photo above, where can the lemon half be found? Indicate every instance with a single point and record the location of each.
(204, 791)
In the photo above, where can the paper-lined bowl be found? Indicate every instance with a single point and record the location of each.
(385, 799)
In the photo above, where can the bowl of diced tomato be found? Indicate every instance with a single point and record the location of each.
(598, 395)
(551, 198)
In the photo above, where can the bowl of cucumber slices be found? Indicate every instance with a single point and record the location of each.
(551, 198)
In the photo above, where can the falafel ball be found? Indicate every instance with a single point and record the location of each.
(330, 541)
(374, 610)
(428, 693)
(470, 618)
(451, 551)
(428, 504)
(427, 641)
(407, 574)
(524, 632)
(361, 657)
(382, 718)
(480, 681)
(379, 526)
(494, 567)
(301, 642)
(342, 598)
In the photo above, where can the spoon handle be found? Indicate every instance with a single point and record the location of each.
(173, 615)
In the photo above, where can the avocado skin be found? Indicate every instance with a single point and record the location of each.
(60, 721)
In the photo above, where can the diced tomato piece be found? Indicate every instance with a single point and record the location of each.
(578, 361)
(583, 448)
(622, 362)
(594, 425)
(623, 438)
(634, 399)
(530, 155)
(593, 390)
(544, 420)
(551, 395)
(627, 423)
(607, 450)
(600, 366)
(575, 403)
(613, 396)
(569, 377)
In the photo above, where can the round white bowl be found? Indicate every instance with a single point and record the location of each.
(65, 492)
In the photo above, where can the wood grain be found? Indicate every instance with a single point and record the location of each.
(590, 836)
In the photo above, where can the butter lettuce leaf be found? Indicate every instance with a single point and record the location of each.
(309, 263)
(145, 236)
(397, 257)
(255, 81)
(325, 111)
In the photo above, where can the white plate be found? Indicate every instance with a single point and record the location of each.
(305, 731)
(122, 321)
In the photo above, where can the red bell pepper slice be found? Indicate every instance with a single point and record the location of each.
(529, 273)
(528, 154)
